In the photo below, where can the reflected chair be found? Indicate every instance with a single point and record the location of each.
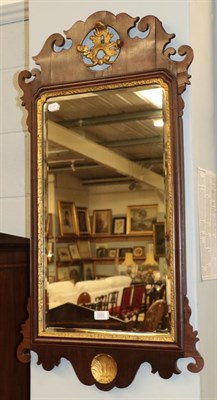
(138, 301)
(101, 302)
(162, 294)
(157, 292)
(113, 301)
(123, 311)
(153, 295)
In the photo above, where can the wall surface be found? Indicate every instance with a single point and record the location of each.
(14, 139)
(193, 23)
(204, 155)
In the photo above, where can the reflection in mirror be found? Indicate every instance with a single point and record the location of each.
(108, 264)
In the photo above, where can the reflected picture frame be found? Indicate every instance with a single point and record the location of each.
(102, 220)
(138, 251)
(67, 218)
(124, 250)
(141, 219)
(119, 226)
(75, 273)
(62, 274)
(84, 249)
(88, 272)
(73, 248)
(113, 252)
(102, 252)
(159, 239)
(83, 221)
(63, 254)
(49, 225)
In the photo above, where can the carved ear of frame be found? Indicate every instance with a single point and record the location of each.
(101, 54)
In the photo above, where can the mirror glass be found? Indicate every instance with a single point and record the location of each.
(106, 262)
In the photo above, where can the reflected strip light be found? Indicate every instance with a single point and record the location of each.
(158, 122)
(154, 96)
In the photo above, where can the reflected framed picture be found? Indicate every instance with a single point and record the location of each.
(52, 273)
(141, 219)
(159, 239)
(49, 225)
(84, 248)
(63, 254)
(112, 253)
(119, 225)
(73, 248)
(83, 220)
(125, 250)
(67, 218)
(102, 220)
(88, 272)
(75, 273)
(101, 252)
(138, 251)
(62, 273)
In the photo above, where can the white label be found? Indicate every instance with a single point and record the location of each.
(101, 315)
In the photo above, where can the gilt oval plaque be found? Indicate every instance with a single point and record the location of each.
(104, 368)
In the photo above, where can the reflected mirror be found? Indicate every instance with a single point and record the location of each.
(107, 259)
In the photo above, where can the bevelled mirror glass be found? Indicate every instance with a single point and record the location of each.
(105, 196)
(108, 253)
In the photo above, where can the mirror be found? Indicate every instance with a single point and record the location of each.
(108, 240)
(108, 149)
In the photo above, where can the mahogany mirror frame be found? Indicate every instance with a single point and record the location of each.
(63, 70)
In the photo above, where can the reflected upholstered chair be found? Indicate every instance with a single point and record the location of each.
(138, 301)
(113, 301)
(123, 311)
(101, 302)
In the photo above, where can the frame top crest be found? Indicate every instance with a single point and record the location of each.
(61, 58)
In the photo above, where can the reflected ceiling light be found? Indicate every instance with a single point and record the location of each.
(158, 122)
(154, 96)
(52, 107)
(61, 99)
(72, 166)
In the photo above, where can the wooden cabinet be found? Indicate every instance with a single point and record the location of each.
(14, 293)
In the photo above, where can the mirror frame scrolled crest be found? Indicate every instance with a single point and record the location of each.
(63, 68)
